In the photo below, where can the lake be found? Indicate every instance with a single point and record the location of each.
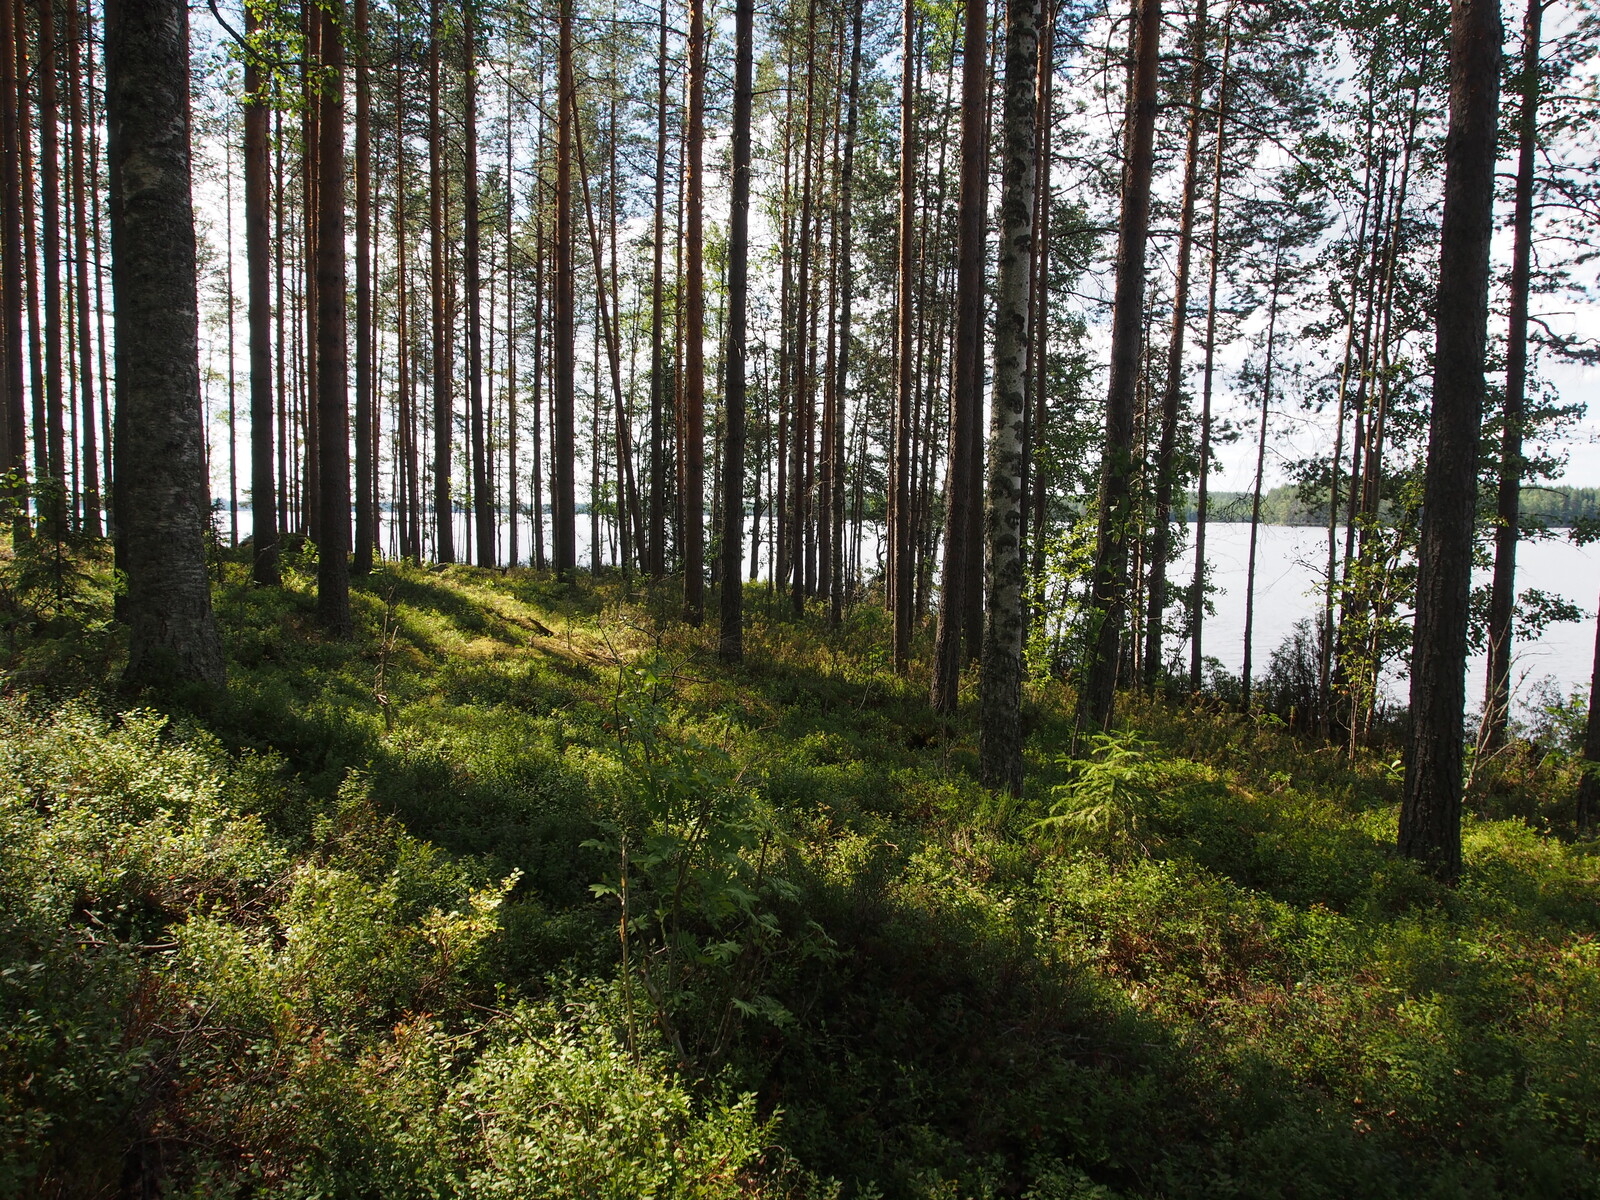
(1290, 561)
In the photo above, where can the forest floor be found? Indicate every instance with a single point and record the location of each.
(522, 893)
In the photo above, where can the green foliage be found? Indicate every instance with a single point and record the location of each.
(521, 894)
(1108, 793)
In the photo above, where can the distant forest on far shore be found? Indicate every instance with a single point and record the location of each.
(1542, 507)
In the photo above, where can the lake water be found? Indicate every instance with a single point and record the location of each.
(1290, 561)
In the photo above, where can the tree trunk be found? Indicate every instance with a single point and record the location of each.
(841, 387)
(30, 253)
(536, 493)
(1430, 815)
(333, 406)
(901, 556)
(310, 159)
(966, 401)
(162, 504)
(13, 436)
(1035, 491)
(1000, 753)
(1502, 594)
(1110, 595)
(655, 553)
(1255, 495)
(54, 501)
(443, 409)
(513, 548)
(1166, 451)
(366, 458)
(80, 239)
(100, 308)
(257, 198)
(802, 407)
(731, 642)
(563, 438)
(482, 491)
(694, 387)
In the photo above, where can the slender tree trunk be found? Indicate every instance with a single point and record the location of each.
(627, 501)
(1166, 452)
(655, 554)
(162, 504)
(281, 358)
(800, 426)
(333, 411)
(1000, 747)
(901, 557)
(366, 416)
(536, 493)
(482, 490)
(1430, 815)
(100, 309)
(1255, 496)
(55, 504)
(30, 240)
(257, 199)
(1110, 595)
(1035, 491)
(13, 443)
(513, 549)
(310, 494)
(443, 408)
(1336, 461)
(966, 401)
(694, 388)
(563, 441)
(80, 236)
(1502, 594)
(841, 387)
(731, 642)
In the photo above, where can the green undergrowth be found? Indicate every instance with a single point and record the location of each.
(522, 893)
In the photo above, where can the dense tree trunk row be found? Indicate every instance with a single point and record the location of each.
(548, 321)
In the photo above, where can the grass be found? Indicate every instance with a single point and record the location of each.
(521, 892)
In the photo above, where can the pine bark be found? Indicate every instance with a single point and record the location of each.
(731, 641)
(30, 253)
(1502, 591)
(901, 556)
(841, 387)
(656, 551)
(1110, 580)
(563, 443)
(13, 435)
(90, 484)
(366, 422)
(472, 250)
(966, 401)
(1166, 451)
(443, 408)
(694, 532)
(162, 504)
(1430, 814)
(54, 503)
(257, 237)
(332, 375)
